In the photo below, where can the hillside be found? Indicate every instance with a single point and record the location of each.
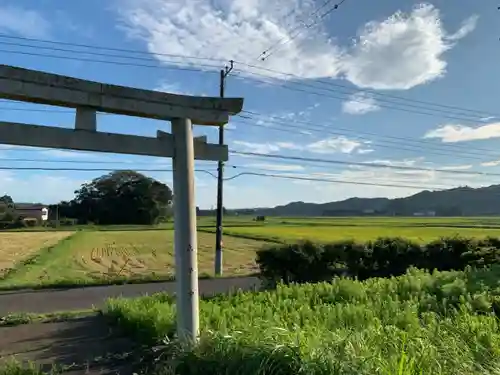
(464, 201)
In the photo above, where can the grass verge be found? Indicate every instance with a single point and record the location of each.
(440, 323)
(16, 319)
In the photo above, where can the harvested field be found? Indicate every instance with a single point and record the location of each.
(101, 257)
(17, 247)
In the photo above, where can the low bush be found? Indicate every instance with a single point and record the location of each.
(384, 257)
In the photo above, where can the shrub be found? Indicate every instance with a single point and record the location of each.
(384, 257)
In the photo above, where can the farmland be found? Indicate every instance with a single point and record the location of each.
(17, 247)
(91, 257)
(364, 229)
(100, 255)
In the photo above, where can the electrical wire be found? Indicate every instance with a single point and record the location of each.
(396, 144)
(419, 141)
(327, 127)
(169, 67)
(343, 97)
(447, 112)
(124, 162)
(337, 181)
(361, 164)
(271, 50)
(108, 48)
(331, 180)
(352, 90)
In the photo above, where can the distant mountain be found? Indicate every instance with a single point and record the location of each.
(462, 201)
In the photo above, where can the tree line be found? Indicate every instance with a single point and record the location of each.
(120, 197)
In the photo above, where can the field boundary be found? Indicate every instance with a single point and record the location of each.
(247, 236)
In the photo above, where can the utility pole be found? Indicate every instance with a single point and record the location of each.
(220, 182)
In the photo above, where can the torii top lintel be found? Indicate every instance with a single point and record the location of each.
(53, 89)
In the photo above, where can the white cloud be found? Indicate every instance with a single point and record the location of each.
(400, 52)
(330, 145)
(493, 163)
(363, 151)
(459, 133)
(25, 22)
(334, 145)
(67, 154)
(359, 104)
(457, 167)
(467, 27)
(260, 148)
(172, 88)
(403, 51)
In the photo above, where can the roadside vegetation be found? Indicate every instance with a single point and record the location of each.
(418, 323)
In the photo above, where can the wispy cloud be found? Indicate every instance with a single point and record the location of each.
(457, 167)
(492, 163)
(359, 104)
(330, 145)
(334, 145)
(67, 154)
(402, 51)
(276, 167)
(460, 133)
(25, 22)
(260, 148)
(173, 88)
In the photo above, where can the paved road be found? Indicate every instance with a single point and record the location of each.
(45, 301)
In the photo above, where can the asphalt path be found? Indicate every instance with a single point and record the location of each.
(54, 300)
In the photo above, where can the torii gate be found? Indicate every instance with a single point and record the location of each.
(88, 97)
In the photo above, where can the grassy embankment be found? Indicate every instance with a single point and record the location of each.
(419, 323)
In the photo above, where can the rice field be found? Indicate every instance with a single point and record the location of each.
(364, 229)
(92, 257)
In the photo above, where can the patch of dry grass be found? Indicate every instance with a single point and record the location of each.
(95, 257)
(16, 247)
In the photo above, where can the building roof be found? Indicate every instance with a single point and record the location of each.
(29, 206)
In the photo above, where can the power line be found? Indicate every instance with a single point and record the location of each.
(324, 127)
(391, 181)
(331, 180)
(121, 162)
(109, 48)
(300, 28)
(361, 164)
(447, 111)
(170, 67)
(150, 59)
(337, 181)
(344, 87)
(464, 150)
(352, 90)
(141, 170)
(438, 113)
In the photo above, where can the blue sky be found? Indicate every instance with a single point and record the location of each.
(440, 52)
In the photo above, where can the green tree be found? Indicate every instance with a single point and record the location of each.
(6, 199)
(121, 197)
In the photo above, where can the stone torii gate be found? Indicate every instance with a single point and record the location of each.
(88, 97)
